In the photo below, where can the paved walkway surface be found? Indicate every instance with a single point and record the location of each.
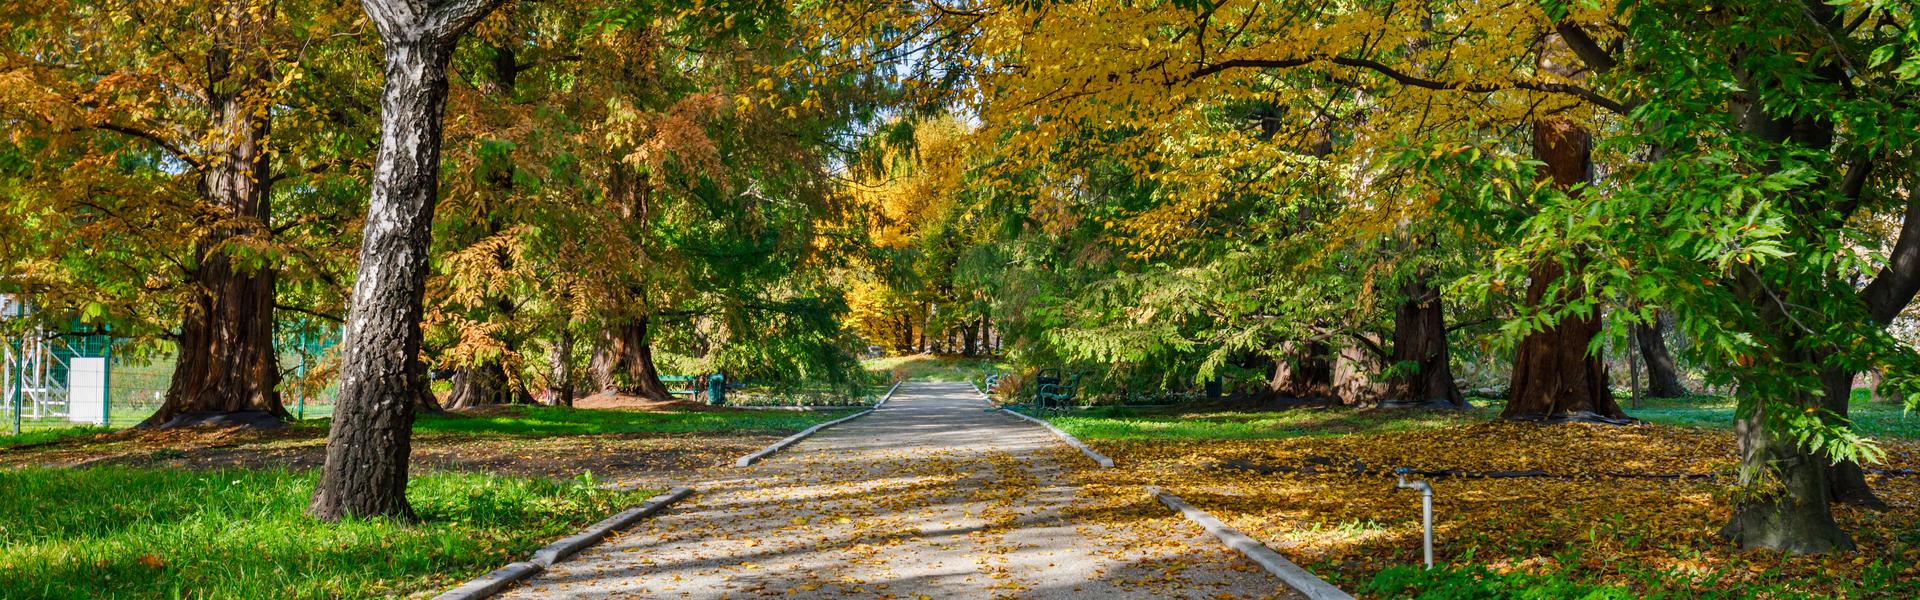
(929, 497)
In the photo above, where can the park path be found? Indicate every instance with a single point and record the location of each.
(929, 497)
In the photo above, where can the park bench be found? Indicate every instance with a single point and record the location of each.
(714, 386)
(1054, 391)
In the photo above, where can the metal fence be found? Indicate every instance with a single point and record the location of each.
(135, 389)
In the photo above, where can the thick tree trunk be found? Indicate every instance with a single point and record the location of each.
(970, 338)
(1788, 508)
(380, 372)
(1555, 377)
(1787, 504)
(1663, 376)
(1302, 370)
(1420, 341)
(226, 371)
(1891, 290)
(1355, 373)
(485, 384)
(626, 364)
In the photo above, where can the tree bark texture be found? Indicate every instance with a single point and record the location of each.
(1355, 374)
(1555, 377)
(485, 384)
(560, 360)
(1424, 375)
(370, 439)
(1788, 507)
(626, 363)
(226, 371)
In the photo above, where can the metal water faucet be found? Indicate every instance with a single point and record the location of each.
(1426, 508)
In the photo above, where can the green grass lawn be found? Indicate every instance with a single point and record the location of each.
(554, 420)
(146, 533)
(1173, 424)
(929, 367)
(1874, 419)
(39, 436)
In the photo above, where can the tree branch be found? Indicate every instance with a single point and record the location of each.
(1410, 80)
(1894, 287)
(1583, 46)
(151, 137)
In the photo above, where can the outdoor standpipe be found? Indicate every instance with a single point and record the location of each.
(1426, 509)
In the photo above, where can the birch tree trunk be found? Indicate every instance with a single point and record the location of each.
(380, 370)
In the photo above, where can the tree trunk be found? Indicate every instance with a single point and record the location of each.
(1788, 508)
(1302, 370)
(560, 361)
(226, 371)
(1355, 372)
(1846, 482)
(1555, 377)
(380, 371)
(484, 384)
(970, 343)
(1663, 377)
(1424, 370)
(626, 365)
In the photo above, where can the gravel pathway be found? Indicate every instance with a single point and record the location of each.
(930, 497)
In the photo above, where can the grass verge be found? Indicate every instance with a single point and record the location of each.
(146, 533)
(42, 436)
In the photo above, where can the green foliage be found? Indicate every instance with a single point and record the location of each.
(1480, 583)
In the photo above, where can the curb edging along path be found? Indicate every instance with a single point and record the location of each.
(1301, 580)
(492, 583)
(748, 460)
(1097, 457)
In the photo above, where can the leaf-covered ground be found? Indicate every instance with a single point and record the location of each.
(651, 448)
(1578, 509)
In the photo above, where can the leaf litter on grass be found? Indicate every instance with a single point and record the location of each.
(1587, 503)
